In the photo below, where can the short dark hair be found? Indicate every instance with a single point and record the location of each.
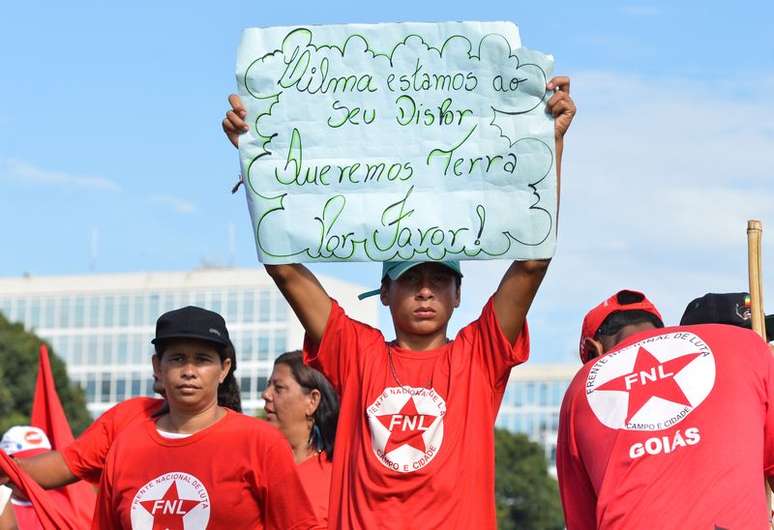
(228, 391)
(618, 320)
(327, 414)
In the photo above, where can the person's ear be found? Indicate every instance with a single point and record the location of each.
(313, 402)
(457, 296)
(593, 347)
(226, 366)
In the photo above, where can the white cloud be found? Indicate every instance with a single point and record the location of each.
(660, 177)
(178, 204)
(29, 173)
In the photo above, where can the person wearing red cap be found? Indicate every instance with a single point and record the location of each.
(27, 441)
(667, 428)
(415, 438)
(624, 313)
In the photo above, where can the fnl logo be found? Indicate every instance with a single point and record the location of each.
(653, 384)
(174, 501)
(406, 427)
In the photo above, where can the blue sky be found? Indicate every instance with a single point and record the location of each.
(109, 125)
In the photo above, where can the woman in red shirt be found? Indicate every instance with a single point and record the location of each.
(301, 402)
(199, 464)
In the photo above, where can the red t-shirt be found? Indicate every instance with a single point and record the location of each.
(671, 430)
(415, 439)
(315, 475)
(86, 455)
(237, 473)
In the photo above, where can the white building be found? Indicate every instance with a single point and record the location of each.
(102, 324)
(532, 401)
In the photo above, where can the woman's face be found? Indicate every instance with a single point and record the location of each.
(286, 404)
(190, 372)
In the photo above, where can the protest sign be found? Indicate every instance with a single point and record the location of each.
(407, 141)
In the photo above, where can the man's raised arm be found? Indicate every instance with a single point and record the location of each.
(298, 285)
(520, 283)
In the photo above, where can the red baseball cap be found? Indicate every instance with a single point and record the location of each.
(624, 300)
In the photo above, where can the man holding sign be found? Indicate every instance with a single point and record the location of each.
(415, 445)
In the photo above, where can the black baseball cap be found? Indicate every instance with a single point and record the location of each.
(192, 322)
(724, 308)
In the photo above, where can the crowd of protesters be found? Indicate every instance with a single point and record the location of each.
(662, 427)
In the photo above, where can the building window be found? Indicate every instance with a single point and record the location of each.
(93, 319)
(91, 388)
(247, 352)
(246, 386)
(92, 348)
(79, 315)
(76, 352)
(49, 313)
(520, 424)
(108, 305)
(264, 305)
(107, 350)
(34, 320)
(21, 310)
(153, 308)
(260, 384)
(63, 344)
(280, 309)
(263, 347)
(122, 349)
(136, 384)
(216, 302)
(166, 303)
(232, 306)
(280, 342)
(248, 305)
(508, 395)
(105, 389)
(142, 349)
(543, 394)
(120, 389)
(132, 349)
(123, 311)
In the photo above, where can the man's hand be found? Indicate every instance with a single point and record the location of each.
(561, 105)
(234, 123)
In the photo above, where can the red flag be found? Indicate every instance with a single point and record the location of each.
(51, 515)
(48, 414)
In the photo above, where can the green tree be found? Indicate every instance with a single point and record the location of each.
(527, 496)
(18, 371)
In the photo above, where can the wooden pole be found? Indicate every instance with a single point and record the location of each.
(754, 233)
